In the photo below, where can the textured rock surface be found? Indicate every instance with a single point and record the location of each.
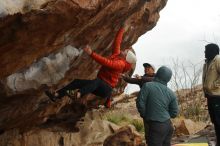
(187, 126)
(41, 44)
(93, 131)
(125, 136)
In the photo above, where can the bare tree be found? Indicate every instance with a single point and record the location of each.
(185, 81)
(186, 75)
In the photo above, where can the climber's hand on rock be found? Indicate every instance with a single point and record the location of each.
(87, 49)
(125, 26)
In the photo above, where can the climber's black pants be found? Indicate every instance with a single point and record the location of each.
(96, 86)
(214, 112)
(159, 133)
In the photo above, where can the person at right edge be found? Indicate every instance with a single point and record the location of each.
(211, 85)
(156, 104)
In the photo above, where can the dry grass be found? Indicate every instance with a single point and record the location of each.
(122, 119)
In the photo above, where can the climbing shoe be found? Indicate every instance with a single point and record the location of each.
(50, 95)
(72, 93)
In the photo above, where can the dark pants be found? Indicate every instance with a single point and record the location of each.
(159, 133)
(96, 86)
(214, 112)
(146, 128)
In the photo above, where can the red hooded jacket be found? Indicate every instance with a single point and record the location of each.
(114, 65)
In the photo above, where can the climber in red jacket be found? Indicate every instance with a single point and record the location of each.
(111, 69)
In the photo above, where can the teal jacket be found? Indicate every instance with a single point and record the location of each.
(156, 101)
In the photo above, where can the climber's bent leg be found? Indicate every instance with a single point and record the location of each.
(75, 84)
(98, 87)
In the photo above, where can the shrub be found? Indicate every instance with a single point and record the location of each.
(120, 118)
(138, 124)
(116, 118)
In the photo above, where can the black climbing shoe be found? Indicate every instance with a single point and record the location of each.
(72, 94)
(51, 96)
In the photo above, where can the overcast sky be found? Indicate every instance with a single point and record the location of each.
(184, 28)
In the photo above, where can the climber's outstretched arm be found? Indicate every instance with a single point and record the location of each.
(116, 46)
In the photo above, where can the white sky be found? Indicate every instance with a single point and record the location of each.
(184, 28)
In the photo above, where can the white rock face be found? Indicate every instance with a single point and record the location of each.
(48, 70)
(9, 7)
